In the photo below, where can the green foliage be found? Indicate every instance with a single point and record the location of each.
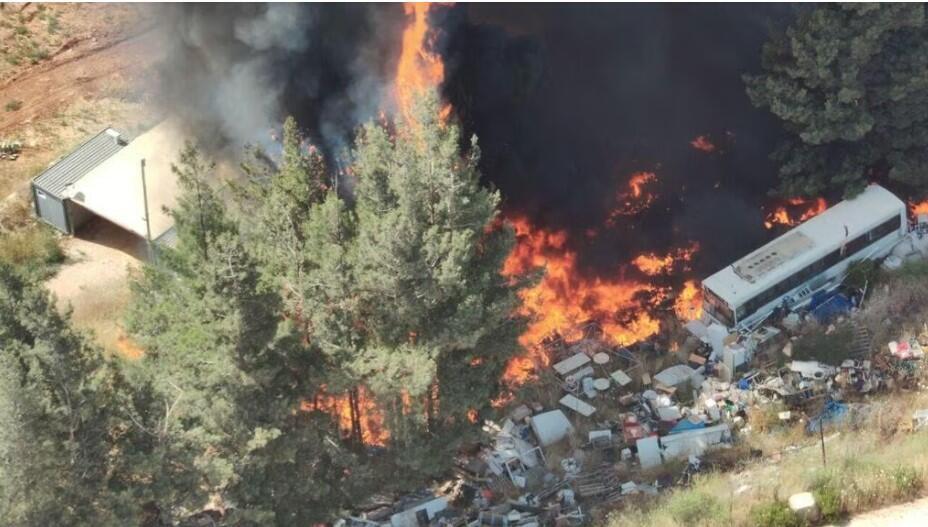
(36, 54)
(862, 273)
(432, 299)
(696, 508)
(827, 491)
(300, 295)
(907, 481)
(60, 461)
(34, 248)
(13, 105)
(830, 348)
(847, 82)
(775, 514)
(52, 24)
(21, 30)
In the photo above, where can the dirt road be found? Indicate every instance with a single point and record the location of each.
(914, 514)
(81, 72)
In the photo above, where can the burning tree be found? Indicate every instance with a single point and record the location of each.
(408, 297)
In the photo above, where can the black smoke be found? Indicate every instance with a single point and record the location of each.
(569, 100)
(237, 70)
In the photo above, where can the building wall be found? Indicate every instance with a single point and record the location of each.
(51, 210)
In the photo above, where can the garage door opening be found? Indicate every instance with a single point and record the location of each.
(101, 231)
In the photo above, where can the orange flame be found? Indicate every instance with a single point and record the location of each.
(703, 144)
(919, 208)
(419, 68)
(795, 211)
(564, 299)
(688, 304)
(635, 199)
(369, 415)
(652, 264)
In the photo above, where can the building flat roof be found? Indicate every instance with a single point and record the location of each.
(803, 245)
(113, 189)
(74, 166)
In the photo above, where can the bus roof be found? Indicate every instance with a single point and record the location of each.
(803, 245)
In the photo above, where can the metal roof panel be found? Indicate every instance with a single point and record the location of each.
(78, 163)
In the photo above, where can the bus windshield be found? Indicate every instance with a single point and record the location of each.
(717, 307)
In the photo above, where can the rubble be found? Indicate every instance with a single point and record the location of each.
(10, 150)
(630, 414)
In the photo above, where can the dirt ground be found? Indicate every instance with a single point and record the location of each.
(93, 282)
(914, 514)
(66, 72)
(92, 80)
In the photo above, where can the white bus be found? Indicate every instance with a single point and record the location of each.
(811, 257)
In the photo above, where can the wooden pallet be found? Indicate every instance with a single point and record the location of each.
(862, 345)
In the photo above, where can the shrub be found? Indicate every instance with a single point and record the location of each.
(860, 273)
(36, 54)
(53, 24)
(695, 508)
(907, 481)
(12, 106)
(827, 492)
(34, 247)
(775, 514)
(21, 30)
(830, 348)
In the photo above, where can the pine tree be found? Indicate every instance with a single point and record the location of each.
(435, 316)
(276, 202)
(62, 444)
(847, 82)
(207, 328)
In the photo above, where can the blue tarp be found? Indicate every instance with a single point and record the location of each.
(828, 309)
(833, 413)
(686, 424)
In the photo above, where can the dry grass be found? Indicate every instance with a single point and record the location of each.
(35, 32)
(897, 304)
(48, 140)
(877, 464)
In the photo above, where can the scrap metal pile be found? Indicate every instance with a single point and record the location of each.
(617, 426)
(10, 149)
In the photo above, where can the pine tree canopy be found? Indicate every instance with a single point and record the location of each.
(850, 84)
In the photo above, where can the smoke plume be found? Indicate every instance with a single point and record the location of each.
(568, 102)
(236, 70)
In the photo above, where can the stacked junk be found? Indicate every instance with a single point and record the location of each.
(625, 421)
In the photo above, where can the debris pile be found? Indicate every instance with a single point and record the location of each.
(620, 421)
(10, 149)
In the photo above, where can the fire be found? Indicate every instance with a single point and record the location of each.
(635, 198)
(638, 180)
(688, 304)
(795, 211)
(365, 415)
(703, 144)
(652, 264)
(564, 299)
(919, 208)
(419, 68)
